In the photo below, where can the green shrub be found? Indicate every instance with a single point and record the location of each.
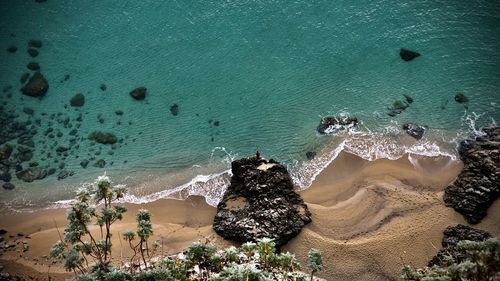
(481, 262)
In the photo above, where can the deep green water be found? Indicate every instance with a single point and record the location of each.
(266, 70)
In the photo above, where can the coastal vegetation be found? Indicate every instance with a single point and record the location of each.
(476, 261)
(89, 257)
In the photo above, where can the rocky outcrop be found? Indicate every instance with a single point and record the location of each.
(477, 186)
(37, 86)
(33, 66)
(408, 55)
(453, 235)
(260, 202)
(414, 130)
(34, 43)
(138, 93)
(31, 174)
(103, 137)
(331, 125)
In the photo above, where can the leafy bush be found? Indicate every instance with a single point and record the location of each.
(481, 263)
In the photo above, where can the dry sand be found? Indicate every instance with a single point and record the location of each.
(369, 218)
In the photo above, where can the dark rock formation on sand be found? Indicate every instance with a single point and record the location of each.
(32, 173)
(453, 235)
(260, 202)
(103, 137)
(414, 130)
(174, 109)
(77, 100)
(477, 186)
(37, 86)
(408, 55)
(331, 125)
(138, 93)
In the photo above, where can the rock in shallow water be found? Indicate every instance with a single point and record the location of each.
(138, 93)
(37, 86)
(331, 125)
(8, 186)
(103, 137)
(31, 174)
(260, 202)
(414, 130)
(477, 186)
(77, 100)
(408, 55)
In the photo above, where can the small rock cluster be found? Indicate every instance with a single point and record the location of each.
(477, 186)
(260, 202)
(334, 124)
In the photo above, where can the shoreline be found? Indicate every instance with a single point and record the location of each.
(368, 217)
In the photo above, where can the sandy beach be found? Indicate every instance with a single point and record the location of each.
(369, 218)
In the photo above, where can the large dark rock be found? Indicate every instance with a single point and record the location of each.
(139, 93)
(408, 55)
(331, 125)
(101, 163)
(103, 137)
(24, 154)
(260, 202)
(77, 100)
(477, 186)
(414, 130)
(32, 173)
(453, 235)
(37, 86)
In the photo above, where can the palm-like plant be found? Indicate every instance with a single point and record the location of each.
(314, 261)
(73, 248)
(265, 247)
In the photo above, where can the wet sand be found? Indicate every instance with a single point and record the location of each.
(369, 218)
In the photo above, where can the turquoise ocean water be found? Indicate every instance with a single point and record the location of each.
(267, 71)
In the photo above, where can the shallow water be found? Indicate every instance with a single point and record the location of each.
(267, 71)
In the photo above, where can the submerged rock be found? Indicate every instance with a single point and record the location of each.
(310, 155)
(35, 43)
(33, 66)
(100, 163)
(103, 137)
(8, 186)
(32, 173)
(103, 87)
(174, 109)
(477, 186)
(5, 151)
(33, 53)
(461, 98)
(453, 235)
(29, 110)
(12, 49)
(414, 130)
(64, 174)
(24, 77)
(260, 202)
(138, 93)
(84, 163)
(408, 55)
(331, 125)
(77, 100)
(37, 86)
